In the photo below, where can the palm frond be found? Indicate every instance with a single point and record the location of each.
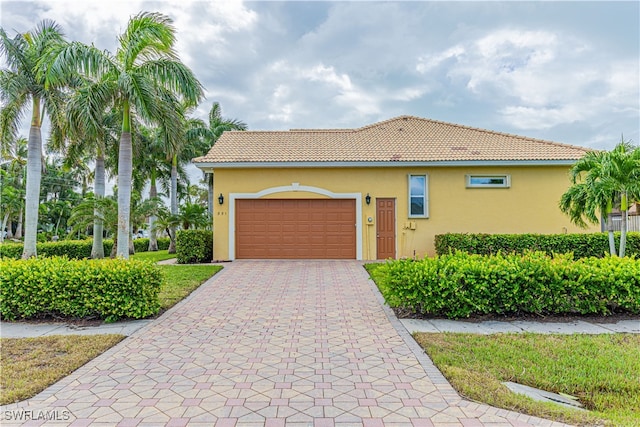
(11, 116)
(148, 36)
(176, 77)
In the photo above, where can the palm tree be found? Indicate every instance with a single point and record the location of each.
(602, 181)
(137, 80)
(10, 203)
(24, 84)
(193, 215)
(92, 131)
(85, 214)
(154, 167)
(217, 125)
(13, 168)
(180, 149)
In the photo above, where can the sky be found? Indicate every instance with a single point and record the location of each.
(562, 71)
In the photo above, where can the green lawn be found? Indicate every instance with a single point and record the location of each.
(181, 280)
(153, 256)
(603, 371)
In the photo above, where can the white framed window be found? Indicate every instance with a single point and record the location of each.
(418, 196)
(488, 181)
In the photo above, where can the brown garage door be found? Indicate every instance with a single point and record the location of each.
(289, 228)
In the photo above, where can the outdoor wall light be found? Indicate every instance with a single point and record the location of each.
(220, 199)
(368, 199)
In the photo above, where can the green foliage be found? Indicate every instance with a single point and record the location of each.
(581, 245)
(142, 244)
(74, 249)
(194, 246)
(11, 250)
(460, 284)
(110, 289)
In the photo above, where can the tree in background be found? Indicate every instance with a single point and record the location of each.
(92, 131)
(23, 85)
(152, 167)
(12, 187)
(216, 126)
(602, 181)
(138, 80)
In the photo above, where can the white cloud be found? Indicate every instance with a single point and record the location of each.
(428, 62)
(542, 79)
(323, 82)
(540, 117)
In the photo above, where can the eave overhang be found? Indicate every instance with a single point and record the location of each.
(205, 166)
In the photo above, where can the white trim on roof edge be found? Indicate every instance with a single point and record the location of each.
(293, 187)
(394, 164)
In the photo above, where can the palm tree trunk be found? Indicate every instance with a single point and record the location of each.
(153, 193)
(124, 185)
(18, 234)
(174, 202)
(612, 241)
(34, 174)
(3, 225)
(623, 225)
(113, 248)
(97, 250)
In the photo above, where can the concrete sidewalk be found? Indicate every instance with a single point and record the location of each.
(28, 330)
(520, 326)
(31, 330)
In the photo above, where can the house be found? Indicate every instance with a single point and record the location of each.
(380, 191)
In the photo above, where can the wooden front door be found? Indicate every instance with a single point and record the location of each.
(385, 228)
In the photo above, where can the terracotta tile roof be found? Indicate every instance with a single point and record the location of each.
(401, 139)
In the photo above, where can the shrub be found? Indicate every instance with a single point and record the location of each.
(581, 245)
(194, 246)
(461, 284)
(11, 250)
(74, 249)
(142, 244)
(109, 289)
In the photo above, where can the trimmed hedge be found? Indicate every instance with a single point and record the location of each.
(194, 246)
(74, 249)
(460, 285)
(142, 244)
(109, 289)
(581, 245)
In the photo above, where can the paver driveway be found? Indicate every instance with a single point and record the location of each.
(273, 343)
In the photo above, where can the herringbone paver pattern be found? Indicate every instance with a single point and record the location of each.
(266, 343)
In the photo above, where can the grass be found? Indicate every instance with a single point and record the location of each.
(29, 365)
(153, 256)
(181, 280)
(603, 371)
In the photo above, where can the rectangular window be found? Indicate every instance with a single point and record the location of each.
(418, 196)
(488, 181)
